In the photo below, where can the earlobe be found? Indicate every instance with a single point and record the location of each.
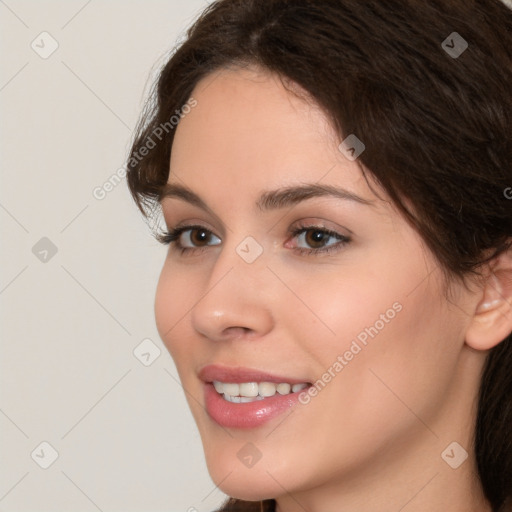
(492, 319)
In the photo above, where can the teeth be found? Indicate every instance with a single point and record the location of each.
(245, 399)
(251, 391)
(266, 389)
(231, 389)
(241, 399)
(284, 388)
(229, 398)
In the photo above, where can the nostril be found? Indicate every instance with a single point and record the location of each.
(236, 331)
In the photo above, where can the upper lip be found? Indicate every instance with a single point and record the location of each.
(239, 374)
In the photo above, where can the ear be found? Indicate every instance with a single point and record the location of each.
(492, 319)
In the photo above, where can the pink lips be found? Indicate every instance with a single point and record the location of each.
(244, 415)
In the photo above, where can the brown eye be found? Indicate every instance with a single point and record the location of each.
(199, 237)
(189, 238)
(196, 236)
(316, 238)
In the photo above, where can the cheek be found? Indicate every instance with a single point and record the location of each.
(173, 299)
(166, 315)
(366, 297)
(331, 309)
(392, 329)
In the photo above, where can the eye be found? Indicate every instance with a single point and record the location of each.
(317, 239)
(310, 239)
(189, 238)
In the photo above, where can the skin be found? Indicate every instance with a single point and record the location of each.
(372, 439)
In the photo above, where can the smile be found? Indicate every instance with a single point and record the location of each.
(245, 392)
(245, 398)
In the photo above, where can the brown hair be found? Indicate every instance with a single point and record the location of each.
(436, 125)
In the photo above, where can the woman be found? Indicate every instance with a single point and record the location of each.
(337, 297)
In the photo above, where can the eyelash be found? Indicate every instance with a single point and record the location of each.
(173, 235)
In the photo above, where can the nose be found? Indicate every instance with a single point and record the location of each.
(235, 301)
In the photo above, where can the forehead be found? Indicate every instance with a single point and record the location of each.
(248, 130)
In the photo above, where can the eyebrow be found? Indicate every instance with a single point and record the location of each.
(271, 199)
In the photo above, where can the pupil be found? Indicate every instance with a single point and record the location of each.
(316, 237)
(200, 236)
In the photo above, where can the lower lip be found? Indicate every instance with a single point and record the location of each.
(249, 414)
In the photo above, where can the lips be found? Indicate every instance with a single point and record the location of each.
(245, 415)
(239, 374)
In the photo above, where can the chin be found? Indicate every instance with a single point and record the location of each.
(249, 484)
(254, 480)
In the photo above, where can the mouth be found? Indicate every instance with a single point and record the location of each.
(246, 392)
(246, 398)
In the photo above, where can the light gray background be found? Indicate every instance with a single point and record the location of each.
(124, 435)
(68, 375)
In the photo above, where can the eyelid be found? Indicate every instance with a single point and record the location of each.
(320, 223)
(197, 223)
(173, 234)
(304, 227)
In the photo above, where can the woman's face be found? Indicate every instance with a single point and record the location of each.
(332, 290)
